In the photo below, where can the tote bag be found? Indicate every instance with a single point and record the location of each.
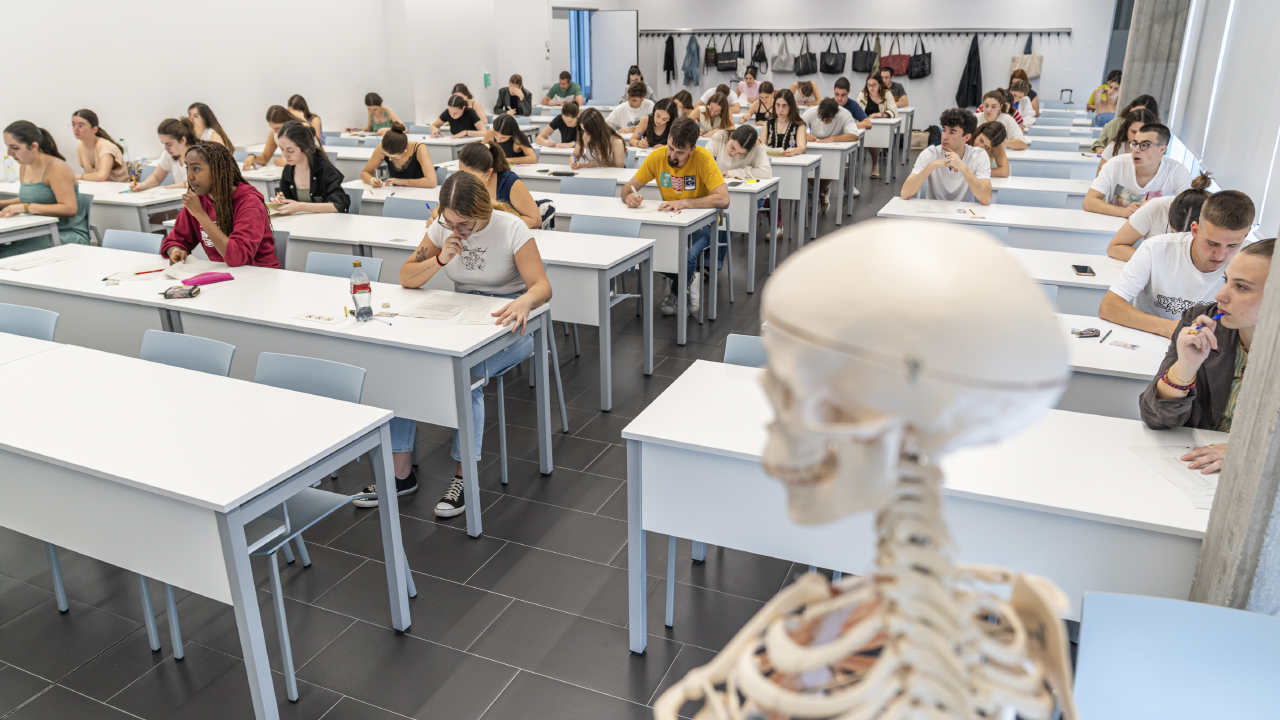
(783, 60)
(727, 59)
(921, 62)
(741, 68)
(1027, 61)
(709, 55)
(806, 62)
(896, 61)
(863, 57)
(832, 62)
(759, 57)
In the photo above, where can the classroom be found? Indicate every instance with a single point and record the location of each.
(818, 360)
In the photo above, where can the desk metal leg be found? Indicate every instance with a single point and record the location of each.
(802, 211)
(144, 225)
(392, 545)
(773, 236)
(543, 390)
(682, 292)
(754, 214)
(646, 297)
(606, 341)
(467, 442)
(813, 220)
(253, 642)
(637, 580)
(713, 255)
(839, 187)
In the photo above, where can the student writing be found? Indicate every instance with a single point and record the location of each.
(514, 99)
(277, 116)
(380, 117)
(488, 163)
(177, 136)
(566, 123)
(565, 91)
(506, 134)
(206, 125)
(46, 187)
(653, 130)
(309, 183)
(1162, 215)
(461, 118)
(597, 144)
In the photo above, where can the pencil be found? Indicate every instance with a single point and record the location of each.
(1104, 337)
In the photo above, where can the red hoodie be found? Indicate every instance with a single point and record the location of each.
(250, 241)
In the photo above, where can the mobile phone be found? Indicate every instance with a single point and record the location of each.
(1083, 270)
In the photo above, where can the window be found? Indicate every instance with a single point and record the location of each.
(580, 49)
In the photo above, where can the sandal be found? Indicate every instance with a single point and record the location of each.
(875, 175)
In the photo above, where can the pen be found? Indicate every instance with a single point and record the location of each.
(1104, 337)
(148, 272)
(1200, 326)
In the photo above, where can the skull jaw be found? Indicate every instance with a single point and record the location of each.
(832, 476)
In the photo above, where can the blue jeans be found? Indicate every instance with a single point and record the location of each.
(403, 431)
(1103, 118)
(699, 241)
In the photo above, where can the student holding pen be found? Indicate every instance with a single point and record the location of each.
(277, 116)
(309, 183)
(597, 145)
(462, 119)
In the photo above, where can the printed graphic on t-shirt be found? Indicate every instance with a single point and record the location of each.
(678, 183)
(1173, 305)
(204, 238)
(473, 257)
(1122, 197)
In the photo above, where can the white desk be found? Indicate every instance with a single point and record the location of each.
(1107, 379)
(1025, 227)
(1064, 499)
(113, 208)
(442, 148)
(22, 227)
(176, 510)
(908, 116)
(553, 110)
(795, 172)
(1076, 294)
(1085, 142)
(1075, 190)
(1079, 165)
(266, 179)
(884, 133)
(17, 347)
(840, 160)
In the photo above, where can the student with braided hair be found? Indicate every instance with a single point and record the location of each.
(222, 212)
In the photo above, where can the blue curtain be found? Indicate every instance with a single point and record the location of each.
(580, 49)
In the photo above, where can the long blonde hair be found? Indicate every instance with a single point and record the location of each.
(467, 196)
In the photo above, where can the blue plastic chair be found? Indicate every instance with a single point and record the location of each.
(28, 321)
(1048, 121)
(1175, 660)
(597, 187)
(441, 174)
(703, 142)
(745, 350)
(355, 194)
(632, 157)
(1048, 131)
(142, 242)
(415, 129)
(86, 200)
(330, 134)
(240, 155)
(332, 155)
(406, 208)
(282, 244)
(343, 142)
(372, 141)
(1067, 144)
(335, 265)
(1030, 198)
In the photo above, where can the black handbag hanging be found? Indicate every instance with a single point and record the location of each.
(832, 62)
(864, 57)
(921, 61)
(759, 58)
(727, 60)
(806, 62)
(709, 57)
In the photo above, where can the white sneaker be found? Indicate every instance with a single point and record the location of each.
(777, 233)
(695, 302)
(668, 306)
(826, 201)
(857, 192)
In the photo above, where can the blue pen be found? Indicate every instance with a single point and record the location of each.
(1200, 326)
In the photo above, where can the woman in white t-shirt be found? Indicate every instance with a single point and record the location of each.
(1129, 129)
(1144, 173)
(1160, 216)
(992, 110)
(177, 135)
(485, 249)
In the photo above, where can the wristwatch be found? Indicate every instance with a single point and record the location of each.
(26, 207)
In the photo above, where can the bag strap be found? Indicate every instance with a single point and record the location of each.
(919, 49)
(804, 44)
(782, 48)
(740, 45)
(865, 44)
(833, 42)
(1027, 51)
(894, 45)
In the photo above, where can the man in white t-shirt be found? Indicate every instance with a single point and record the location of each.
(1126, 182)
(1170, 273)
(721, 88)
(991, 111)
(954, 170)
(828, 122)
(625, 118)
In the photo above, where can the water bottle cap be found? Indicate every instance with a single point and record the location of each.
(355, 263)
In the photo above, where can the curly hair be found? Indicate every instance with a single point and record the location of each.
(225, 172)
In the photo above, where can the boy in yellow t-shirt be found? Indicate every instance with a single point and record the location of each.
(688, 178)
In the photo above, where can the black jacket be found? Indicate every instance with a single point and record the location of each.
(326, 185)
(969, 94)
(504, 103)
(669, 59)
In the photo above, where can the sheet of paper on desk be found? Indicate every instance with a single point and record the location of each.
(319, 318)
(26, 262)
(481, 313)
(922, 206)
(153, 270)
(436, 308)
(1198, 488)
(193, 266)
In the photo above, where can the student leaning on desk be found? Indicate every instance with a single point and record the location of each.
(1199, 380)
(953, 170)
(277, 116)
(47, 186)
(309, 183)
(408, 164)
(1160, 216)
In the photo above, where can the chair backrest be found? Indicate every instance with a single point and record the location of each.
(342, 142)
(147, 171)
(1066, 144)
(1038, 130)
(441, 174)
(282, 244)
(1051, 292)
(633, 155)
(1175, 660)
(28, 321)
(311, 375)
(332, 155)
(591, 225)
(406, 208)
(1054, 121)
(371, 141)
(1030, 198)
(326, 134)
(355, 194)
(539, 110)
(537, 152)
(1060, 171)
(240, 155)
(599, 187)
(703, 142)
(187, 351)
(335, 265)
(419, 129)
(130, 240)
(746, 350)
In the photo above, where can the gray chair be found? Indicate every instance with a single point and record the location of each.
(419, 129)
(240, 156)
(633, 156)
(332, 155)
(335, 265)
(282, 244)
(1030, 198)
(1049, 121)
(597, 187)
(406, 208)
(1067, 144)
(355, 194)
(1061, 171)
(712, 253)
(342, 142)
(142, 242)
(330, 134)
(94, 232)
(1048, 131)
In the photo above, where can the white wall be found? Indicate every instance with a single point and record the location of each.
(1069, 62)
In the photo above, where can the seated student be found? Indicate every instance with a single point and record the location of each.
(470, 227)
(566, 122)
(565, 91)
(277, 116)
(507, 135)
(1133, 123)
(806, 92)
(1163, 215)
(990, 137)
(1127, 181)
(597, 145)
(1198, 385)
(408, 164)
(99, 155)
(688, 178)
(1103, 99)
(462, 118)
(992, 110)
(723, 89)
(487, 162)
(309, 182)
(785, 131)
(461, 91)
(221, 211)
(177, 136)
(686, 107)
(828, 122)
(47, 187)
(1021, 74)
(1111, 129)
(298, 106)
(635, 76)
(653, 130)
(841, 95)
(381, 119)
(877, 102)
(953, 170)
(1020, 91)
(716, 117)
(206, 124)
(626, 116)
(748, 87)
(514, 99)
(1169, 273)
(895, 88)
(741, 155)
(762, 107)
(1010, 107)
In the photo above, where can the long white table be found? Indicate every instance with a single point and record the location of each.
(1107, 379)
(1075, 294)
(1065, 499)
(22, 227)
(113, 208)
(886, 130)
(1084, 142)
(1075, 190)
(796, 172)
(266, 179)
(1025, 227)
(840, 162)
(143, 488)
(1075, 165)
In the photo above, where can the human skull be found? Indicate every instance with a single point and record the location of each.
(893, 327)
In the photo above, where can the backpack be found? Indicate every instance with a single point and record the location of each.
(759, 58)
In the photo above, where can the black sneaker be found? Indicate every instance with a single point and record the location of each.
(403, 487)
(453, 502)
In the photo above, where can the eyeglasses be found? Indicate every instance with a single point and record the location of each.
(457, 230)
(1144, 146)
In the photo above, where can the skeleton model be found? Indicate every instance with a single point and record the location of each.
(891, 344)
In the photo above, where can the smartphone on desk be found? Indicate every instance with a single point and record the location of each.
(1083, 270)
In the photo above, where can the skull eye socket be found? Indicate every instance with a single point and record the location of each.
(777, 390)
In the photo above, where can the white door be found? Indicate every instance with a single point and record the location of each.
(614, 49)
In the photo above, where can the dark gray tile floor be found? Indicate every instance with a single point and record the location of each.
(527, 622)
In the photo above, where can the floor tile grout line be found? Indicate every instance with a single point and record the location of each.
(495, 697)
(33, 698)
(298, 668)
(674, 660)
(113, 707)
(344, 577)
(502, 612)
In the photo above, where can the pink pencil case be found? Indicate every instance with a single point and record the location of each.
(208, 278)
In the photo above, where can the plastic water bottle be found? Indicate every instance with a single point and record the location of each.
(361, 293)
(10, 170)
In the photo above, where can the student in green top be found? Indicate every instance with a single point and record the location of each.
(566, 91)
(380, 118)
(48, 188)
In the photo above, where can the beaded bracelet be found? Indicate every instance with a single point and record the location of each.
(1167, 377)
